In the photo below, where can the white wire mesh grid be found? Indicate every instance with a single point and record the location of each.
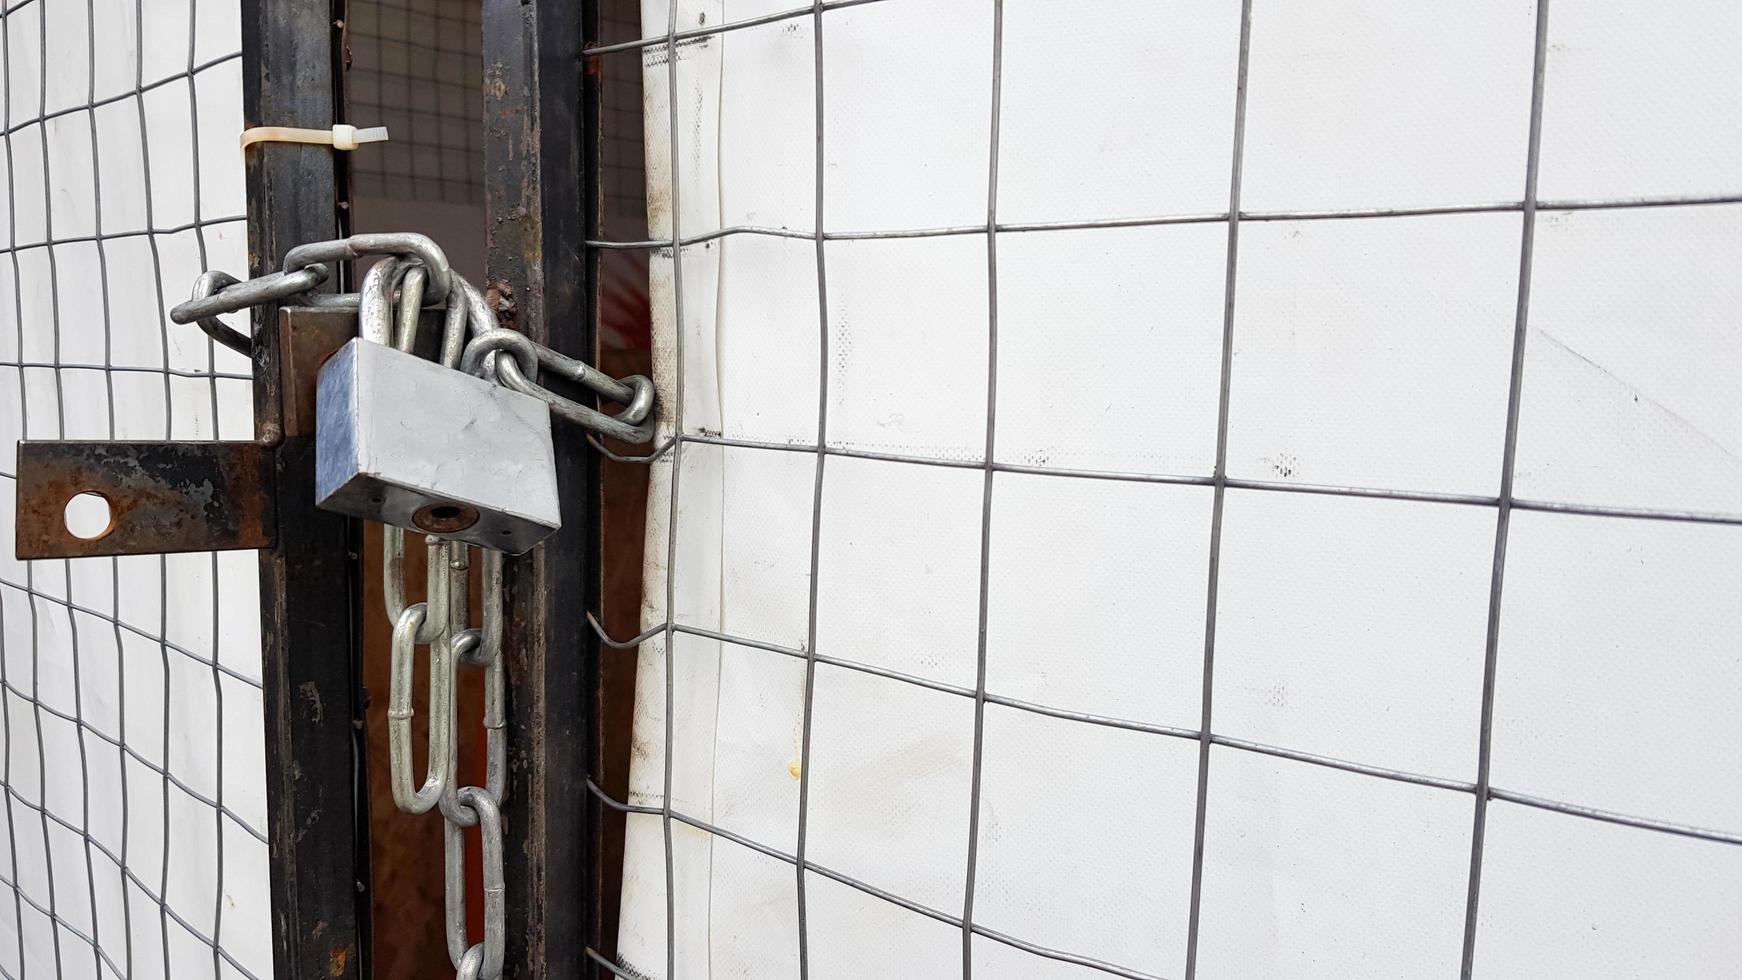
(134, 752)
(1615, 192)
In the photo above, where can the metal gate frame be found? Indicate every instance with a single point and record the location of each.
(316, 766)
(540, 194)
(535, 156)
(541, 153)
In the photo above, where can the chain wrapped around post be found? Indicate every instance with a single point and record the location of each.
(412, 272)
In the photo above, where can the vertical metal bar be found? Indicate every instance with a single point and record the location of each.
(6, 123)
(168, 428)
(978, 766)
(1221, 489)
(1503, 519)
(593, 737)
(810, 665)
(212, 560)
(674, 133)
(533, 166)
(115, 594)
(55, 926)
(316, 795)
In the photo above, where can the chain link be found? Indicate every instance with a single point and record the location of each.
(389, 305)
(442, 622)
(453, 642)
(411, 273)
(415, 273)
(217, 293)
(634, 424)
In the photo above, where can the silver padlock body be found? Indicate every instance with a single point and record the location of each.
(407, 442)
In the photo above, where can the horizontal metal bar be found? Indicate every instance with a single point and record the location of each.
(866, 887)
(811, 450)
(110, 236)
(1633, 513)
(785, 651)
(1499, 207)
(122, 97)
(1171, 731)
(1271, 486)
(1376, 493)
(1620, 819)
(127, 369)
(1343, 765)
(731, 25)
(163, 497)
(1090, 718)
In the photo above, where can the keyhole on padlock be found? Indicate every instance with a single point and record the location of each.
(445, 518)
(88, 516)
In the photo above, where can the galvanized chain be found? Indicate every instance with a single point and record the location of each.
(415, 274)
(633, 425)
(452, 643)
(412, 274)
(442, 623)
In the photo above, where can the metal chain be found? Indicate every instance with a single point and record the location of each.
(633, 425)
(389, 306)
(451, 643)
(442, 623)
(412, 272)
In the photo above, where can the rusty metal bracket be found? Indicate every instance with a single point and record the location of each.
(307, 337)
(162, 497)
(177, 496)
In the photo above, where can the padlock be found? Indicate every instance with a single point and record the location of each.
(411, 443)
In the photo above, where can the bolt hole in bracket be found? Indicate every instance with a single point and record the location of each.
(89, 516)
(85, 499)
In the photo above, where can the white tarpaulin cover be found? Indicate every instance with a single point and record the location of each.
(1372, 353)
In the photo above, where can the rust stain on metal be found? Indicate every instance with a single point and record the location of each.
(338, 959)
(162, 497)
(500, 296)
(306, 338)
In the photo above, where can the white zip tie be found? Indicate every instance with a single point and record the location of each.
(340, 137)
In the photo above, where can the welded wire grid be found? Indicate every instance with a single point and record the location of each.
(665, 50)
(134, 750)
(414, 70)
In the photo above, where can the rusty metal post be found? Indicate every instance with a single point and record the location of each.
(534, 170)
(317, 800)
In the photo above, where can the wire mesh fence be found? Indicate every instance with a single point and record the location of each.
(1316, 547)
(871, 433)
(133, 769)
(417, 74)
